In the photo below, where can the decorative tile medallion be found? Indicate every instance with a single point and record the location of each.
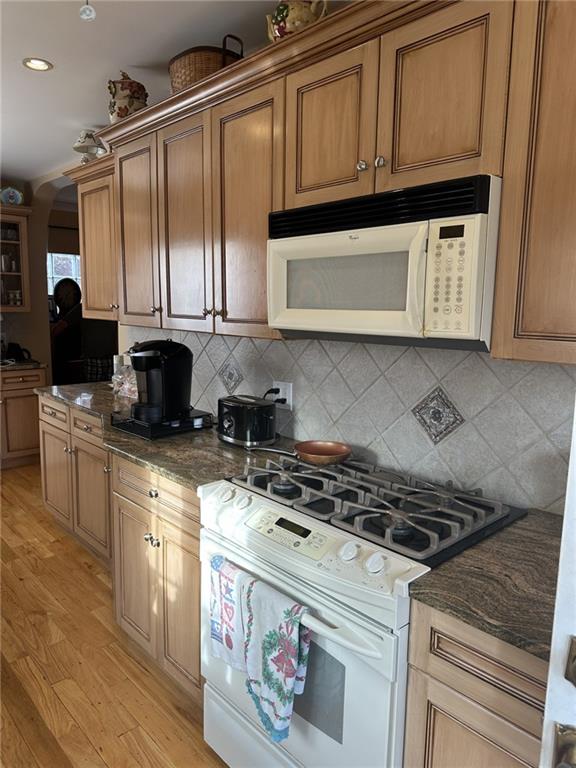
(230, 375)
(438, 415)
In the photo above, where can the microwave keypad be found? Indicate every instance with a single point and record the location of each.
(447, 285)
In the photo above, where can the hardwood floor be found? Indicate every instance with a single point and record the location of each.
(75, 690)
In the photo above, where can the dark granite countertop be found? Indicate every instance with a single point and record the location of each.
(23, 366)
(191, 459)
(505, 585)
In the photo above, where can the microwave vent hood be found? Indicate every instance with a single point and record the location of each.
(457, 197)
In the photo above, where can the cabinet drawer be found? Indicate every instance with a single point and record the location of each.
(86, 426)
(54, 413)
(23, 379)
(153, 492)
(504, 678)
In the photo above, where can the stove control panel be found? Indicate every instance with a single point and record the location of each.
(284, 531)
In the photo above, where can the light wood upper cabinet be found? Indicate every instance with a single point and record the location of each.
(443, 89)
(91, 489)
(135, 572)
(98, 248)
(331, 113)
(535, 313)
(137, 232)
(180, 588)
(14, 276)
(248, 183)
(55, 458)
(184, 224)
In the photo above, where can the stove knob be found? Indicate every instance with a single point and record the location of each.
(375, 563)
(226, 495)
(242, 502)
(348, 551)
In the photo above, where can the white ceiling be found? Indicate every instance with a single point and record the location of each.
(43, 112)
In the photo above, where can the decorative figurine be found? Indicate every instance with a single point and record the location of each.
(294, 15)
(128, 96)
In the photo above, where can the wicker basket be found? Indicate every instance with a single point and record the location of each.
(197, 63)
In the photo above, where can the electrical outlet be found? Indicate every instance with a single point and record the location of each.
(285, 388)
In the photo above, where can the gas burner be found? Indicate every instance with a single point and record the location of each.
(424, 521)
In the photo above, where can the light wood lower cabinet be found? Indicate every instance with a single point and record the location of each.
(76, 474)
(91, 474)
(180, 604)
(136, 572)
(157, 571)
(19, 436)
(473, 700)
(55, 454)
(448, 730)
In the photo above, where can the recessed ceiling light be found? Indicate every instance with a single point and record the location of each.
(38, 65)
(87, 12)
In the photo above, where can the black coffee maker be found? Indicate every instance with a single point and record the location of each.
(164, 375)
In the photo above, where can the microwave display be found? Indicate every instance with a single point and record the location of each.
(456, 230)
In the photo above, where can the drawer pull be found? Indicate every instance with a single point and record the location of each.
(50, 412)
(153, 493)
(87, 428)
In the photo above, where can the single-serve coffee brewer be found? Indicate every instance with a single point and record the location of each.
(163, 376)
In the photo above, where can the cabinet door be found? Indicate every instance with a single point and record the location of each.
(135, 573)
(55, 455)
(535, 313)
(91, 473)
(180, 584)
(98, 249)
(14, 269)
(248, 181)
(137, 232)
(443, 88)
(331, 127)
(446, 730)
(185, 225)
(19, 413)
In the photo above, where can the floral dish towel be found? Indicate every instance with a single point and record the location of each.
(276, 647)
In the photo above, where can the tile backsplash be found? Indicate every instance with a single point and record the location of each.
(442, 414)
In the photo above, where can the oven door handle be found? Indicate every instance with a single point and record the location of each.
(341, 636)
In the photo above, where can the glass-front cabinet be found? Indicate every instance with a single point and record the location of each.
(14, 279)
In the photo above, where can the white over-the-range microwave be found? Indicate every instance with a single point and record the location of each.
(412, 263)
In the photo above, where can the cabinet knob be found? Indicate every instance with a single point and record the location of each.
(87, 428)
(51, 412)
(361, 165)
(111, 306)
(107, 470)
(155, 309)
(219, 313)
(116, 306)
(206, 312)
(66, 449)
(20, 379)
(1, 402)
(148, 537)
(380, 162)
(153, 493)
(155, 542)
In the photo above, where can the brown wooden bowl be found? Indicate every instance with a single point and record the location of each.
(322, 451)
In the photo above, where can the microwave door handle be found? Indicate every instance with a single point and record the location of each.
(341, 636)
(417, 298)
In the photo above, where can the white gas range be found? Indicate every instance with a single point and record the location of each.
(299, 528)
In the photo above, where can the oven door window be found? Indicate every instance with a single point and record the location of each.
(322, 702)
(366, 281)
